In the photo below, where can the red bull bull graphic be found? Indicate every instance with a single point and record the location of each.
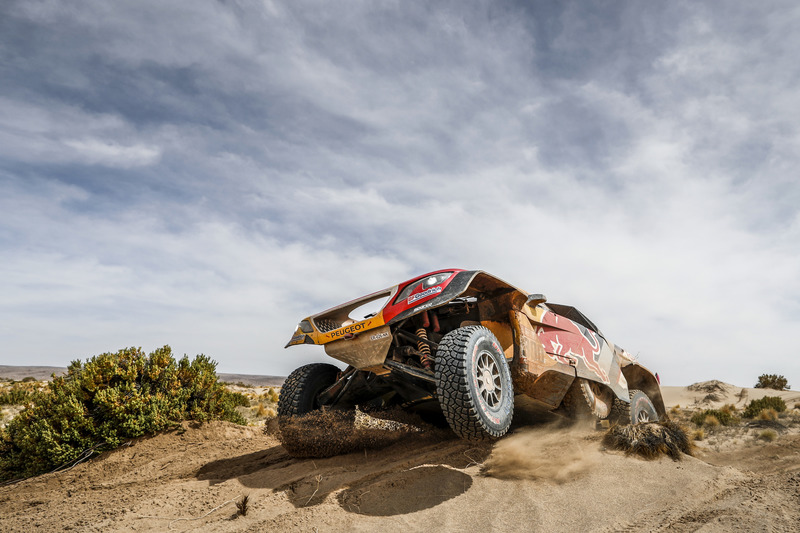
(569, 342)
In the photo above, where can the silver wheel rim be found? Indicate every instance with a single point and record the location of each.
(490, 385)
(643, 416)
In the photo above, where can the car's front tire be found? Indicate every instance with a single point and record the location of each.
(473, 384)
(300, 436)
(299, 393)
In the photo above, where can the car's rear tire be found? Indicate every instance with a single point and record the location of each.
(639, 410)
(642, 409)
(588, 399)
(575, 404)
(473, 384)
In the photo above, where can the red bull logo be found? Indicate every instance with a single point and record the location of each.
(570, 342)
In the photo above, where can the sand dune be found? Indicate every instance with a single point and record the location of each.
(539, 478)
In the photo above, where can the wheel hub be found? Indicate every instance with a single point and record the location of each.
(488, 375)
(487, 378)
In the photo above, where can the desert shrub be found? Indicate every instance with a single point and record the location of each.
(29, 379)
(709, 416)
(768, 435)
(729, 408)
(16, 395)
(698, 434)
(772, 381)
(109, 399)
(767, 402)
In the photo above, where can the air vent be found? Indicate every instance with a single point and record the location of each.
(325, 325)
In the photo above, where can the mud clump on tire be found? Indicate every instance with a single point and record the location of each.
(650, 440)
(326, 433)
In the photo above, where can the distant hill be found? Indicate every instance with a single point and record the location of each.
(42, 373)
(251, 379)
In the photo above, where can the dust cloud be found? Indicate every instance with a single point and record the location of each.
(550, 453)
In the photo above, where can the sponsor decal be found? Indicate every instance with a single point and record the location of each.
(352, 328)
(570, 340)
(378, 336)
(420, 295)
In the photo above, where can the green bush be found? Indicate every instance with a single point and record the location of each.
(772, 381)
(111, 398)
(724, 416)
(767, 402)
(16, 395)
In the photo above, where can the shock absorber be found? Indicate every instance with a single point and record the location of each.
(424, 350)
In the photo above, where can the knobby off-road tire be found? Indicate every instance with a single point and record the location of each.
(299, 393)
(640, 409)
(473, 384)
(599, 398)
(298, 397)
(576, 404)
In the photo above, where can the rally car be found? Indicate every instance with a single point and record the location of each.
(463, 343)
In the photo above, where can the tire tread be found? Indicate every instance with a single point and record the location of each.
(453, 390)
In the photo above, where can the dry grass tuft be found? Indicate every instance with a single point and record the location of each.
(272, 395)
(768, 435)
(675, 411)
(742, 396)
(698, 434)
(261, 410)
(711, 422)
(768, 414)
(243, 505)
(650, 440)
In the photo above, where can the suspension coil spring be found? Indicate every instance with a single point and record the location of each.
(425, 351)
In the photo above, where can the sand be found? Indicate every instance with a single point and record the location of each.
(541, 477)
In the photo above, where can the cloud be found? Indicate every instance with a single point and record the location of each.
(205, 174)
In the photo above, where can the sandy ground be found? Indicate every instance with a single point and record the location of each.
(539, 478)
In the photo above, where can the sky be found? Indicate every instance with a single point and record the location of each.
(204, 174)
